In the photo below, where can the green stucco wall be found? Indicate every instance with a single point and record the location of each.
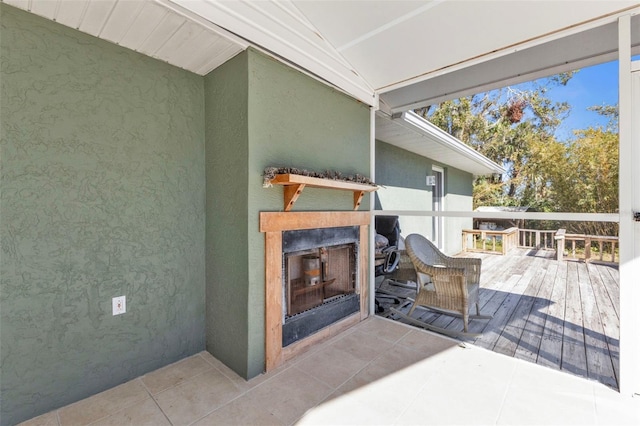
(226, 106)
(102, 195)
(459, 197)
(403, 173)
(283, 118)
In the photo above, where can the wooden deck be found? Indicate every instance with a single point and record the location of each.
(564, 315)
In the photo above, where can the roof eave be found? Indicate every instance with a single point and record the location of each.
(440, 136)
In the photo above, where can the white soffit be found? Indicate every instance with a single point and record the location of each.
(154, 28)
(413, 133)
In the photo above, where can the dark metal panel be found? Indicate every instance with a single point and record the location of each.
(306, 239)
(306, 323)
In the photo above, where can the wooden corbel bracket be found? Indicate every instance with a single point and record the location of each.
(291, 194)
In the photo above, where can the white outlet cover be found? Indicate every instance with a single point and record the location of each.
(119, 305)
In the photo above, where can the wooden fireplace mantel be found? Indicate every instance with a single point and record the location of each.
(273, 224)
(295, 184)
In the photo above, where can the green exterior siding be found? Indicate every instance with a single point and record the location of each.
(402, 174)
(102, 195)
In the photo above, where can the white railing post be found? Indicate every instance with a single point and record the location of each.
(560, 243)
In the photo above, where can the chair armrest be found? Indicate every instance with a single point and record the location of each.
(464, 262)
(442, 270)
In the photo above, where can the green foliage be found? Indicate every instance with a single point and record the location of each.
(516, 128)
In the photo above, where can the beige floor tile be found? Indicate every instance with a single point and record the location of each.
(175, 373)
(348, 411)
(394, 375)
(240, 382)
(289, 395)
(48, 419)
(457, 395)
(399, 365)
(529, 376)
(242, 411)
(426, 343)
(146, 413)
(539, 408)
(364, 346)
(384, 328)
(197, 397)
(433, 407)
(395, 359)
(612, 408)
(103, 404)
(331, 365)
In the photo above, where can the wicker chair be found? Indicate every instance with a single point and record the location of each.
(445, 284)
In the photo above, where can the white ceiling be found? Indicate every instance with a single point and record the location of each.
(404, 53)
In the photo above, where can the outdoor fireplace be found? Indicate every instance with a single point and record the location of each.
(320, 278)
(315, 278)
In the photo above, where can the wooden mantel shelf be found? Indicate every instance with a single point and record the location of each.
(294, 184)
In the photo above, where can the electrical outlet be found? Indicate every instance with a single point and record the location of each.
(119, 305)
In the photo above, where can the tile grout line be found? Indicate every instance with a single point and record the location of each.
(241, 394)
(506, 392)
(96, 395)
(368, 363)
(154, 400)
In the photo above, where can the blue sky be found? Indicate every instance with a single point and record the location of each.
(596, 85)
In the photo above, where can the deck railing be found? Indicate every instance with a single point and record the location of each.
(537, 238)
(501, 242)
(585, 242)
(488, 241)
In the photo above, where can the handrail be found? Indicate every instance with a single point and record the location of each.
(588, 240)
(537, 238)
(504, 240)
(507, 237)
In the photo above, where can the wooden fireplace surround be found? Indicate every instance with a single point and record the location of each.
(273, 224)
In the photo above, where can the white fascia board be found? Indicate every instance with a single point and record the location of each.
(545, 38)
(445, 139)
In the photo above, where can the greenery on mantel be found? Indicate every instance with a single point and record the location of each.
(271, 172)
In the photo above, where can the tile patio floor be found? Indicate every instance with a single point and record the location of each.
(378, 372)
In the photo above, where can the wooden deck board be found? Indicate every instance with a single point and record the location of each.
(510, 337)
(608, 316)
(574, 357)
(529, 344)
(599, 365)
(495, 327)
(563, 315)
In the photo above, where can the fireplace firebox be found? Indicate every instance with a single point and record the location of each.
(320, 276)
(299, 269)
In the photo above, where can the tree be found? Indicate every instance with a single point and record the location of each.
(516, 127)
(505, 125)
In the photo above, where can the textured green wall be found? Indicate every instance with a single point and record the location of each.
(403, 175)
(296, 121)
(459, 197)
(102, 186)
(226, 103)
(261, 113)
